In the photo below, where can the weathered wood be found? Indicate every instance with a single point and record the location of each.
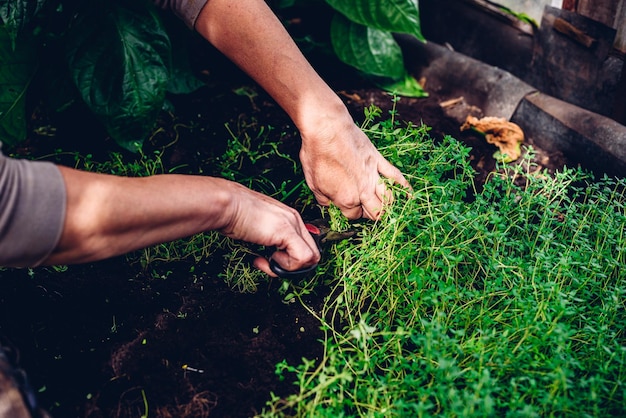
(572, 60)
(619, 108)
(11, 400)
(532, 8)
(566, 28)
(596, 142)
(603, 11)
(620, 25)
(569, 5)
(483, 34)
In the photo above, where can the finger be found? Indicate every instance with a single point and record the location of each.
(393, 173)
(286, 263)
(374, 215)
(373, 203)
(372, 207)
(352, 212)
(384, 193)
(299, 252)
(263, 264)
(310, 241)
(321, 198)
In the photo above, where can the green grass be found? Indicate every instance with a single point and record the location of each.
(504, 302)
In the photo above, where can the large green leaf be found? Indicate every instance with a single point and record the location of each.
(119, 59)
(17, 13)
(388, 15)
(408, 86)
(17, 67)
(182, 78)
(370, 50)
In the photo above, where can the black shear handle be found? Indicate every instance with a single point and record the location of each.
(286, 274)
(316, 233)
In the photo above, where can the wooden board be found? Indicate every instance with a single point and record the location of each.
(620, 25)
(610, 12)
(572, 60)
(603, 11)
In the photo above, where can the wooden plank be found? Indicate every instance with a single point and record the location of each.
(603, 11)
(567, 29)
(569, 5)
(571, 60)
(532, 8)
(619, 109)
(620, 25)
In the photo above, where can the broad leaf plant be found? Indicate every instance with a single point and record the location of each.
(116, 57)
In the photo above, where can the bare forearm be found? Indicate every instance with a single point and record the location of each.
(248, 32)
(340, 163)
(110, 215)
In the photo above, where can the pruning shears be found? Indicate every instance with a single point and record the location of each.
(322, 235)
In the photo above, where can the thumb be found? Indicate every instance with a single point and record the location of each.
(263, 264)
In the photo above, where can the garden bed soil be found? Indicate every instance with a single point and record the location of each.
(110, 339)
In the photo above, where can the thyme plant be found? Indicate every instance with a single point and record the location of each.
(504, 302)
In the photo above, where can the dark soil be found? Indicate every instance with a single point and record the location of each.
(109, 339)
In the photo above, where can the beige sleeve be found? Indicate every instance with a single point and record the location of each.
(186, 10)
(32, 211)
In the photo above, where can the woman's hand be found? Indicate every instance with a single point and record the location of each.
(108, 215)
(341, 165)
(254, 217)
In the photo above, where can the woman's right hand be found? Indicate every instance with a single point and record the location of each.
(256, 218)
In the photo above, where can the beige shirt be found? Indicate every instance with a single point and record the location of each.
(186, 10)
(32, 211)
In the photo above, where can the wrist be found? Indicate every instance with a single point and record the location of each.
(221, 204)
(323, 121)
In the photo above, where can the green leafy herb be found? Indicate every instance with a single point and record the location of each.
(17, 68)
(119, 59)
(369, 49)
(388, 15)
(17, 14)
(115, 56)
(503, 302)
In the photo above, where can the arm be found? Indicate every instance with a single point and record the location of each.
(339, 162)
(109, 215)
